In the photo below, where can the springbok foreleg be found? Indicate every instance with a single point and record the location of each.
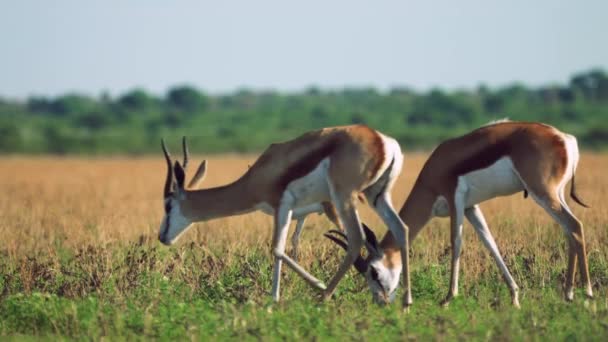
(281, 226)
(475, 216)
(282, 220)
(349, 217)
(456, 218)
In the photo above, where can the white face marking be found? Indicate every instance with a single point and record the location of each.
(382, 281)
(174, 223)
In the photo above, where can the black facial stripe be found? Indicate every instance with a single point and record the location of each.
(166, 230)
(374, 274)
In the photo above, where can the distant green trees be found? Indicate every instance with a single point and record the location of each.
(247, 120)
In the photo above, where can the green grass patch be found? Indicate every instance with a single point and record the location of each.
(143, 291)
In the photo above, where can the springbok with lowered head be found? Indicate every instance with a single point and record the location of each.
(299, 214)
(328, 166)
(499, 159)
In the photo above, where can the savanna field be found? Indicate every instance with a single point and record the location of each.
(79, 258)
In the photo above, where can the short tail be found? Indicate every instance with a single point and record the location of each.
(574, 195)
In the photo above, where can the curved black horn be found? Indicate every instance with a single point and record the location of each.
(338, 242)
(338, 232)
(370, 238)
(169, 180)
(360, 263)
(186, 153)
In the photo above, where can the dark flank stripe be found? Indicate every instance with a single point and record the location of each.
(306, 164)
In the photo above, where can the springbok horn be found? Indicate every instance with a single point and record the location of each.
(338, 232)
(186, 153)
(360, 263)
(169, 179)
(370, 237)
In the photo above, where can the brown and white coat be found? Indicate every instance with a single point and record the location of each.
(498, 159)
(327, 168)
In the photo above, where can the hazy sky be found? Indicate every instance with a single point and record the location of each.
(52, 47)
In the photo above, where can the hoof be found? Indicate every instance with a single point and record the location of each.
(294, 255)
(325, 296)
(515, 300)
(569, 295)
(516, 304)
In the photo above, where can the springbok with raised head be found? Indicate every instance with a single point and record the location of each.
(499, 159)
(331, 165)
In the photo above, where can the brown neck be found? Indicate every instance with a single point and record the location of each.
(222, 201)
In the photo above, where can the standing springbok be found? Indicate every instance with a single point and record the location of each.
(331, 165)
(299, 214)
(499, 159)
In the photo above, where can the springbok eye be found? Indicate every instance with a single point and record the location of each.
(373, 273)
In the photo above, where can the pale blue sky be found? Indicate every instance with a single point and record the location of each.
(52, 47)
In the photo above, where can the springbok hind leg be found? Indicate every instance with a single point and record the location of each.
(573, 229)
(295, 238)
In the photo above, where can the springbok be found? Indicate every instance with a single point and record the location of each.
(299, 214)
(499, 159)
(328, 166)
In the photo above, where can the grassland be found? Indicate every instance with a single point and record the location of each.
(79, 258)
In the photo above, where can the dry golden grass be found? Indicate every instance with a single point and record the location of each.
(73, 202)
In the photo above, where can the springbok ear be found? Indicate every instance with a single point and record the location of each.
(179, 174)
(370, 238)
(199, 175)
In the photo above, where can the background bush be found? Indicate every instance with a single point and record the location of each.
(247, 120)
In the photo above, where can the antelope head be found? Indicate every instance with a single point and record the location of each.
(176, 220)
(382, 279)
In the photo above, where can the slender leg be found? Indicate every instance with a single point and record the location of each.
(475, 216)
(350, 219)
(282, 218)
(386, 211)
(573, 229)
(295, 238)
(456, 218)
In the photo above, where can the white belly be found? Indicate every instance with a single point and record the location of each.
(312, 188)
(305, 193)
(499, 179)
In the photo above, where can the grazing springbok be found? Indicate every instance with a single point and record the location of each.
(499, 159)
(328, 166)
(299, 214)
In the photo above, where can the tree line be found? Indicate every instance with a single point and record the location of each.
(247, 121)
